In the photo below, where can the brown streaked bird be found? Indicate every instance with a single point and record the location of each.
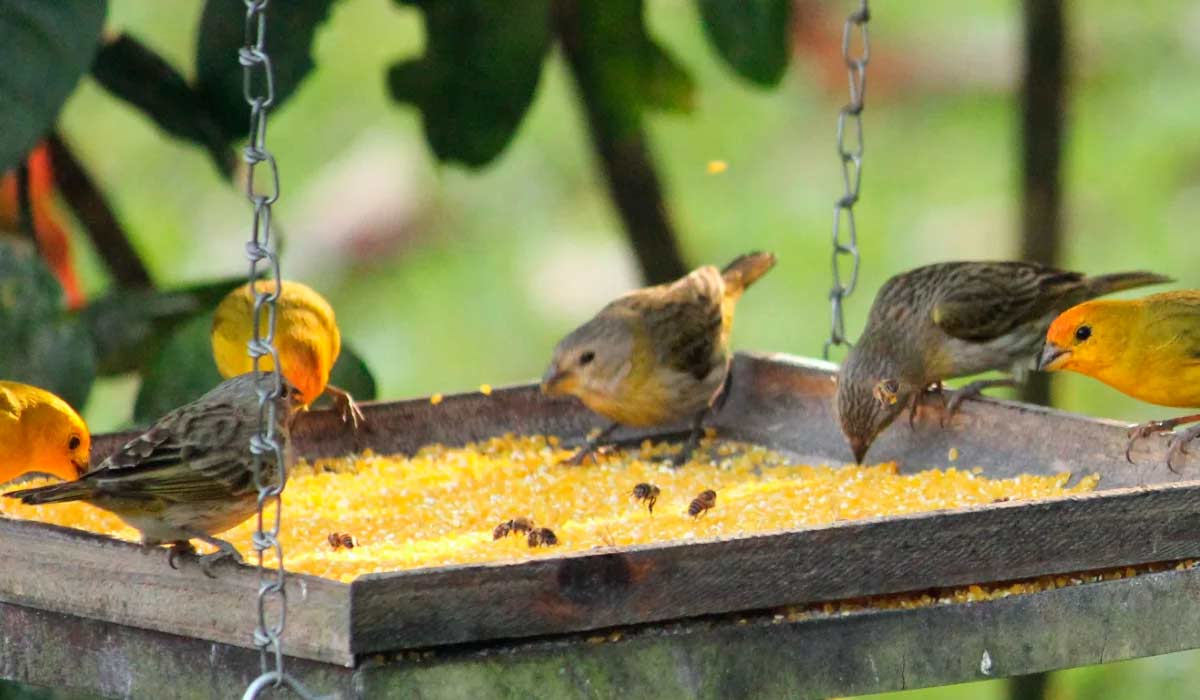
(952, 320)
(188, 477)
(656, 355)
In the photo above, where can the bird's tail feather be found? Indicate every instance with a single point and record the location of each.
(1107, 284)
(55, 493)
(745, 271)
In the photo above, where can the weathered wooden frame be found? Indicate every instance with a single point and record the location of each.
(682, 592)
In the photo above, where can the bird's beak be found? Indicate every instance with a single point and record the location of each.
(1053, 357)
(552, 381)
(859, 447)
(81, 468)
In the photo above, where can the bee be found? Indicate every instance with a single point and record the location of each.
(648, 493)
(342, 539)
(508, 527)
(542, 537)
(700, 505)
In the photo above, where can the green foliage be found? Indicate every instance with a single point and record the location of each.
(44, 48)
(42, 345)
(219, 76)
(130, 327)
(752, 36)
(478, 75)
(181, 372)
(137, 75)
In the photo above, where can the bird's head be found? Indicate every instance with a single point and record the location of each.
(871, 392)
(592, 360)
(1084, 338)
(61, 445)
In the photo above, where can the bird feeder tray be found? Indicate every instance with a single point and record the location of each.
(83, 611)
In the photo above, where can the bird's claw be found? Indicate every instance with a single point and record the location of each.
(584, 453)
(207, 561)
(177, 549)
(1178, 446)
(345, 406)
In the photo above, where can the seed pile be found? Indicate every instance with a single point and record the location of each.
(447, 505)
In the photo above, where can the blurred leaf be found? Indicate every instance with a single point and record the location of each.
(620, 67)
(665, 84)
(44, 48)
(480, 70)
(751, 35)
(183, 371)
(42, 346)
(130, 327)
(291, 27)
(350, 372)
(133, 72)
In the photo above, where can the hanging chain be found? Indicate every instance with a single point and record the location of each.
(258, 86)
(850, 151)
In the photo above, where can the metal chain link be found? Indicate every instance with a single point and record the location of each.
(258, 87)
(845, 231)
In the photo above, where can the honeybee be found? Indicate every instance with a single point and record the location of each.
(648, 493)
(700, 505)
(508, 527)
(542, 537)
(342, 539)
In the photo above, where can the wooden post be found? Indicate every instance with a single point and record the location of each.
(1043, 103)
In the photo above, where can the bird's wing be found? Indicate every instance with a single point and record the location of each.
(987, 300)
(187, 456)
(683, 320)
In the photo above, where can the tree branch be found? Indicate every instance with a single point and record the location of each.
(99, 221)
(619, 139)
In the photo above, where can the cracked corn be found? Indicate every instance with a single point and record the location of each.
(441, 506)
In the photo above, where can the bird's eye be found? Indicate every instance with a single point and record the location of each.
(586, 357)
(1083, 333)
(73, 443)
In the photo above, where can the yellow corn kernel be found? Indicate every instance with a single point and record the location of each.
(440, 506)
(436, 399)
(716, 167)
(485, 389)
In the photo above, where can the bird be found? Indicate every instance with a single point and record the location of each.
(955, 319)
(39, 432)
(655, 355)
(191, 475)
(306, 337)
(1148, 348)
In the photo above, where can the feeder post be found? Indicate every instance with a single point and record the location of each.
(1043, 105)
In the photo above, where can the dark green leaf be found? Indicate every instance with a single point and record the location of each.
(291, 27)
(619, 67)
(130, 327)
(45, 46)
(183, 371)
(136, 74)
(42, 346)
(751, 35)
(350, 372)
(477, 78)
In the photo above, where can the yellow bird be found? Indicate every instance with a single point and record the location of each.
(656, 355)
(1147, 348)
(39, 432)
(306, 337)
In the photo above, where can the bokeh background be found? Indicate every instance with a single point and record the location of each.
(445, 278)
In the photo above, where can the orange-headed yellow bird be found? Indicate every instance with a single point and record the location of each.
(1148, 348)
(306, 337)
(656, 355)
(40, 432)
